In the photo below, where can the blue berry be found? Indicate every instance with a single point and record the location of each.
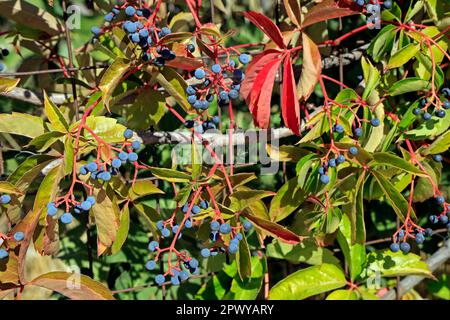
(136, 145)
(225, 228)
(353, 150)
(165, 232)
(153, 245)
(174, 280)
(130, 11)
(437, 157)
(233, 94)
(417, 111)
(96, 31)
(216, 119)
(426, 116)
(196, 209)
(3, 254)
(440, 113)
(232, 248)
(332, 163)
(92, 167)
(128, 134)
(215, 225)
(433, 219)
(420, 238)
(109, 17)
(5, 199)
(205, 252)
(123, 156)
(188, 224)
(175, 229)
(116, 163)
(358, 132)
(239, 236)
(339, 128)
(160, 224)
(165, 31)
(2, 67)
(191, 47)
(440, 200)
(18, 236)
(216, 68)
(324, 179)
(150, 265)
(132, 157)
(405, 247)
(444, 219)
(185, 208)
(91, 199)
(184, 275)
(446, 105)
(387, 4)
(143, 33)
(321, 170)
(51, 211)
(199, 74)
(394, 247)
(66, 218)
(423, 102)
(247, 225)
(244, 58)
(86, 205)
(193, 263)
(340, 159)
(105, 176)
(204, 204)
(160, 279)
(190, 90)
(192, 99)
(83, 170)
(375, 122)
(135, 37)
(428, 232)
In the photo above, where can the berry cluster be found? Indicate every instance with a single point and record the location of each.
(443, 216)
(139, 24)
(3, 53)
(219, 231)
(221, 80)
(373, 6)
(401, 237)
(99, 170)
(439, 110)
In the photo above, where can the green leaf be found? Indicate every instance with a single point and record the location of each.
(175, 86)
(54, 115)
(395, 198)
(343, 295)
(112, 77)
(305, 252)
(241, 199)
(308, 282)
(7, 187)
(7, 84)
(441, 287)
(106, 128)
(48, 189)
(390, 159)
(27, 14)
(122, 233)
(243, 260)
(382, 43)
(45, 141)
(408, 85)
(143, 188)
(146, 111)
(371, 77)
(170, 175)
(439, 145)
(69, 154)
(106, 214)
(355, 254)
(249, 288)
(196, 159)
(403, 56)
(74, 286)
(287, 200)
(21, 124)
(393, 264)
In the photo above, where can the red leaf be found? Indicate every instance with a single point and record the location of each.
(267, 26)
(275, 230)
(330, 9)
(185, 63)
(254, 68)
(289, 102)
(261, 94)
(311, 68)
